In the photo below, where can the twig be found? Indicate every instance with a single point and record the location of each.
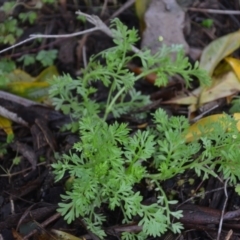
(17, 44)
(227, 12)
(223, 210)
(12, 115)
(44, 224)
(231, 214)
(22, 171)
(229, 235)
(84, 56)
(199, 195)
(104, 7)
(99, 25)
(14, 98)
(95, 20)
(64, 35)
(126, 5)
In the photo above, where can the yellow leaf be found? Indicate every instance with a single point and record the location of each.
(6, 125)
(19, 75)
(22, 88)
(223, 86)
(47, 74)
(198, 129)
(140, 8)
(218, 50)
(24, 85)
(186, 99)
(235, 64)
(222, 68)
(225, 82)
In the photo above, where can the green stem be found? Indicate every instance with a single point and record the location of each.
(159, 176)
(110, 106)
(165, 201)
(145, 73)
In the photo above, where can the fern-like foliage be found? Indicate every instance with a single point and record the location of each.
(109, 160)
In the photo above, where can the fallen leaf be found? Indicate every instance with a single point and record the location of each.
(47, 74)
(6, 125)
(198, 129)
(186, 99)
(218, 50)
(19, 75)
(223, 86)
(22, 84)
(235, 64)
(140, 8)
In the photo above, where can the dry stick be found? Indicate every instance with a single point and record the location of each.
(11, 115)
(44, 224)
(228, 12)
(14, 98)
(126, 5)
(223, 210)
(17, 44)
(22, 171)
(95, 20)
(35, 36)
(229, 235)
(104, 7)
(199, 195)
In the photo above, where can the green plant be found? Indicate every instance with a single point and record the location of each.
(30, 17)
(8, 6)
(207, 23)
(11, 28)
(27, 59)
(118, 78)
(108, 163)
(45, 57)
(9, 31)
(235, 105)
(15, 161)
(7, 66)
(49, 1)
